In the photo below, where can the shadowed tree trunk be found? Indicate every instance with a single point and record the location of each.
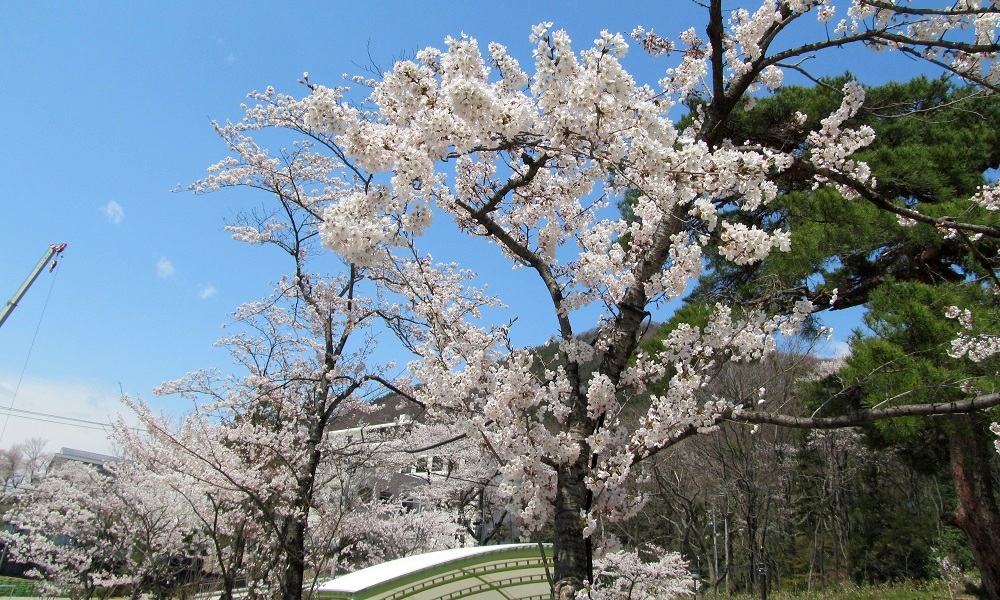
(977, 514)
(294, 568)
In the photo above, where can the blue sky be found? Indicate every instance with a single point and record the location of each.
(106, 110)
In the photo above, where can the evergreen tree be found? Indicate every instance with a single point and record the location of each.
(904, 358)
(934, 144)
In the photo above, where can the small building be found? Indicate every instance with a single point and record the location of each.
(66, 455)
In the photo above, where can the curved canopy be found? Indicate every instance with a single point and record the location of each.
(487, 572)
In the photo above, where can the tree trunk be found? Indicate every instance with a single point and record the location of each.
(977, 514)
(572, 554)
(293, 572)
(231, 571)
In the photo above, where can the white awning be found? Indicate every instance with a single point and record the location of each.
(486, 572)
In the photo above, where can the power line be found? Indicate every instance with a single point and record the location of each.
(31, 415)
(101, 429)
(56, 419)
(41, 414)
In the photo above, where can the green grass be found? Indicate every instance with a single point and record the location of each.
(907, 590)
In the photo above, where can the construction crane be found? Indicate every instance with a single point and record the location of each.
(50, 254)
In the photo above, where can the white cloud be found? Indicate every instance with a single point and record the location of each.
(164, 268)
(206, 292)
(841, 349)
(114, 212)
(834, 349)
(230, 58)
(67, 414)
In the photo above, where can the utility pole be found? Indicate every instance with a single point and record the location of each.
(12, 303)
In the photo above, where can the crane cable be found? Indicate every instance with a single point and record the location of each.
(31, 346)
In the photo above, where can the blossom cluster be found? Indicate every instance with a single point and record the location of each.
(832, 146)
(977, 346)
(988, 197)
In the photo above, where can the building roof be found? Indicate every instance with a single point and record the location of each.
(91, 458)
(481, 573)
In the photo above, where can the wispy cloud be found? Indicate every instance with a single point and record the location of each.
(66, 413)
(225, 46)
(833, 349)
(164, 268)
(114, 212)
(206, 292)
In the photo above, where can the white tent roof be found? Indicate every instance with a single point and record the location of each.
(479, 572)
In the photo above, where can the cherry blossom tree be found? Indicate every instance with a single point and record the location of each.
(20, 464)
(529, 160)
(647, 572)
(218, 512)
(91, 532)
(256, 455)
(355, 517)
(257, 445)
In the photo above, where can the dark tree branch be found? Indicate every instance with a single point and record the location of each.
(868, 415)
(889, 206)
